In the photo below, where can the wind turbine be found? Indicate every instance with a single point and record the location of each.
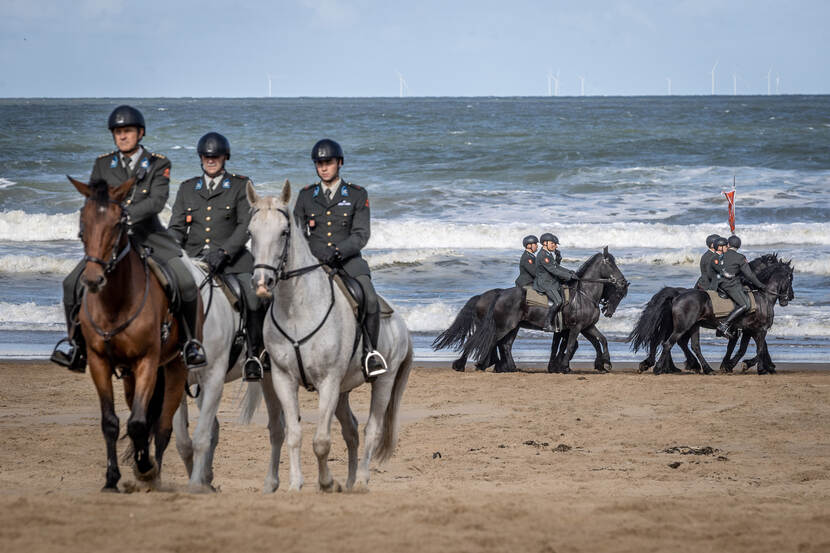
(777, 82)
(734, 84)
(556, 84)
(713, 77)
(550, 78)
(769, 80)
(668, 80)
(403, 87)
(581, 85)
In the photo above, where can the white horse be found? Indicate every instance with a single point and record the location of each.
(321, 324)
(219, 331)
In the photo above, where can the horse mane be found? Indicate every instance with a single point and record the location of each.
(100, 192)
(581, 271)
(779, 266)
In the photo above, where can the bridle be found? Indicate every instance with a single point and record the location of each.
(116, 256)
(282, 274)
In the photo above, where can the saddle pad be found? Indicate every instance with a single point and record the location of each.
(534, 298)
(156, 269)
(233, 299)
(385, 309)
(724, 306)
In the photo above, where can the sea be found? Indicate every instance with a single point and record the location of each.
(455, 184)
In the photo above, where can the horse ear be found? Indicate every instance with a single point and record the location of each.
(118, 194)
(83, 188)
(253, 198)
(286, 192)
(605, 251)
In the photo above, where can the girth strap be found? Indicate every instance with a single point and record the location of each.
(297, 343)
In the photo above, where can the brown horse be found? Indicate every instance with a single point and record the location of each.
(129, 331)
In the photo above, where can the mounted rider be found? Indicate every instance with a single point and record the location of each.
(335, 217)
(527, 264)
(210, 221)
(550, 276)
(730, 267)
(708, 276)
(145, 200)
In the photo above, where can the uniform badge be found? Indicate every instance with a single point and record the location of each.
(547, 260)
(530, 261)
(167, 172)
(344, 202)
(145, 163)
(316, 191)
(114, 162)
(188, 219)
(198, 185)
(344, 191)
(226, 183)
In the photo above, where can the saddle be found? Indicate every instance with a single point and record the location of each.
(722, 305)
(167, 280)
(354, 295)
(532, 298)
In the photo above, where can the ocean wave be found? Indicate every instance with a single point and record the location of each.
(432, 317)
(36, 264)
(20, 226)
(5, 183)
(406, 257)
(815, 266)
(30, 316)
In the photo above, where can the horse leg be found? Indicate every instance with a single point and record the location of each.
(570, 349)
(175, 379)
(183, 442)
(762, 353)
(206, 428)
(649, 361)
(348, 429)
(286, 389)
(692, 364)
(102, 377)
(707, 369)
(329, 395)
(145, 374)
(460, 363)
(276, 432)
(665, 364)
(726, 364)
(602, 363)
(507, 349)
(553, 362)
(373, 432)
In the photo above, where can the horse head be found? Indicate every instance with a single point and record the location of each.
(103, 230)
(270, 231)
(779, 281)
(613, 292)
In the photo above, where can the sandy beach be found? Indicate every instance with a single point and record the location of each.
(485, 462)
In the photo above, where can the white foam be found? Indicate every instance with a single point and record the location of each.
(816, 266)
(407, 257)
(29, 316)
(19, 226)
(421, 233)
(5, 183)
(36, 264)
(432, 317)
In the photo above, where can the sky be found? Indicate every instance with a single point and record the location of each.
(362, 48)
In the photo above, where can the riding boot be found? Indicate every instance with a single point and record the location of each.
(726, 326)
(192, 351)
(373, 362)
(550, 318)
(252, 370)
(74, 358)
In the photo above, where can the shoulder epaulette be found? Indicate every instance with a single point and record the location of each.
(355, 186)
(107, 154)
(243, 177)
(309, 187)
(160, 156)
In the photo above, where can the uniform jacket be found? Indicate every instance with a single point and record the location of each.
(708, 276)
(342, 222)
(145, 199)
(527, 269)
(549, 274)
(730, 266)
(203, 220)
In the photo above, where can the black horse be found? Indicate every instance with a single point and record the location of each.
(681, 318)
(487, 325)
(647, 327)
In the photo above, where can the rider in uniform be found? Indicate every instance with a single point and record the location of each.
(145, 200)
(527, 264)
(730, 266)
(210, 221)
(708, 277)
(550, 275)
(335, 217)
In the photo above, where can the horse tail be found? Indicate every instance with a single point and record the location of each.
(655, 322)
(461, 328)
(250, 402)
(483, 340)
(389, 438)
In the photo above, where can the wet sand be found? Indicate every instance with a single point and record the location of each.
(485, 462)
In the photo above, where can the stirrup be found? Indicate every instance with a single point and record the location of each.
(250, 376)
(726, 330)
(376, 372)
(64, 359)
(200, 351)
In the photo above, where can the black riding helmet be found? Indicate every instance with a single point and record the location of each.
(721, 241)
(529, 239)
(125, 116)
(734, 242)
(548, 237)
(326, 149)
(710, 240)
(214, 144)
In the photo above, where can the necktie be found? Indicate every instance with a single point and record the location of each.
(126, 160)
(328, 194)
(212, 185)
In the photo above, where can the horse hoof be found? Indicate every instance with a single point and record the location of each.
(270, 486)
(458, 367)
(201, 488)
(149, 475)
(110, 489)
(744, 367)
(360, 487)
(333, 487)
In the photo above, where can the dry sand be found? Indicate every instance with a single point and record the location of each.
(479, 467)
